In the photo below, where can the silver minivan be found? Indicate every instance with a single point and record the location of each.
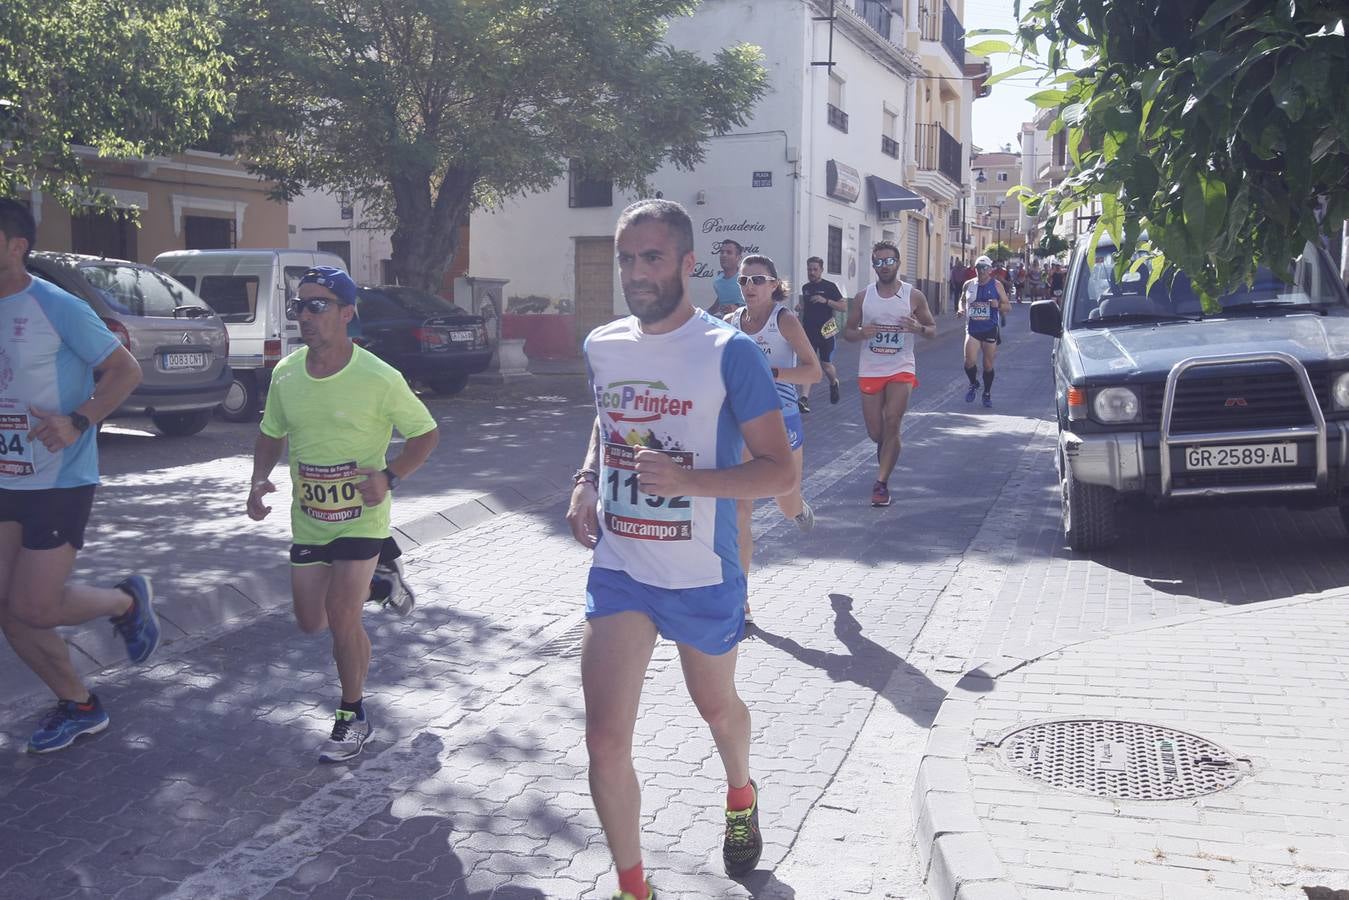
(249, 289)
(179, 341)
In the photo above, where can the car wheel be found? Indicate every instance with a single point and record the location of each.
(1088, 512)
(181, 424)
(242, 400)
(448, 384)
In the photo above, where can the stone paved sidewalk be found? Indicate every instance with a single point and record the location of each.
(1264, 682)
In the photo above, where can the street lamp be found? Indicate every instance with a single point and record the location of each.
(979, 178)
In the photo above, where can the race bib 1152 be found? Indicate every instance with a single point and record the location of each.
(628, 512)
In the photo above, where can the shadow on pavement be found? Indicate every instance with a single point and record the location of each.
(866, 663)
(1231, 555)
(767, 886)
(209, 773)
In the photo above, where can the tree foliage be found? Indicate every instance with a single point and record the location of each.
(129, 79)
(1218, 126)
(999, 251)
(426, 109)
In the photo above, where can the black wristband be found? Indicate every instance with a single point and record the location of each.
(393, 479)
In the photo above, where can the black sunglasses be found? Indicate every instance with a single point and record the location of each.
(881, 263)
(315, 305)
(757, 279)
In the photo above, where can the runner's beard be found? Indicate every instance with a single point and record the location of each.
(881, 279)
(648, 309)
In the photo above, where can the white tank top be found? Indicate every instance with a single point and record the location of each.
(776, 347)
(890, 351)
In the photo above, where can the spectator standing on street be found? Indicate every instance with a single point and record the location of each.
(336, 404)
(884, 316)
(820, 300)
(678, 395)
(61, 373)
(724, 285)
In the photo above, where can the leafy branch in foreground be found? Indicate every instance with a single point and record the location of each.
(1218, 127)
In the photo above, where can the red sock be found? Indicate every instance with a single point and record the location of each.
(633, 881)
(738, 798)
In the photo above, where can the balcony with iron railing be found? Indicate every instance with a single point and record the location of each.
(937, 150)
(943, 26)
(876, 14)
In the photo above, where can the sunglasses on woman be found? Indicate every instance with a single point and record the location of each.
(757, 279)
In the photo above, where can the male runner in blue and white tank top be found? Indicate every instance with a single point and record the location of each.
(678, 394)
(983, 301)
(783, 340)
(52, 344)
(882, 317)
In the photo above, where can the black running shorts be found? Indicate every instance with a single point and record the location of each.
(50, 518)
(824, 346)
(344, 549)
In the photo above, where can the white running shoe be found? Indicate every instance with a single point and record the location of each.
(347, 740)
(805, 520)
(400, 598)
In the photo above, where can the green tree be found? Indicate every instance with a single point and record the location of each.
(129, 79)
(424, 110)
(999, 251)
(1051, 245)
(1219, 126)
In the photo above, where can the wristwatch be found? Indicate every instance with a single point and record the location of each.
(589, 476)
(393, 479)
(80, 421)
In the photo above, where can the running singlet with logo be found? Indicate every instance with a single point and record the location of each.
(685, 394)
(776, 349)
(50, 343)
(335, 426)
(889, 351)
(981, 308)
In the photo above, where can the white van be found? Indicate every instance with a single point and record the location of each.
(249, 290)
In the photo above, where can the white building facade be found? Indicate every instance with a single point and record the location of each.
(818, 171)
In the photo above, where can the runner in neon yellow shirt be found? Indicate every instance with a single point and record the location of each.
(337, 405)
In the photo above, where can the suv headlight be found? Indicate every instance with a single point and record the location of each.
(1339, 392)
(1116, 404)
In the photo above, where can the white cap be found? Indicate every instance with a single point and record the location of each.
(983, 261)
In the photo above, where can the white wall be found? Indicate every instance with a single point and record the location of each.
(316, 216)
(787, 136)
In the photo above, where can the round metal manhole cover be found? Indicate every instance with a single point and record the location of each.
(1120, 760)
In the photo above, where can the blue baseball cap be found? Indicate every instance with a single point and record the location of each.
(335, 280)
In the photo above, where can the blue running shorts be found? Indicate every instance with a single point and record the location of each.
(796, 429)
(710, 619)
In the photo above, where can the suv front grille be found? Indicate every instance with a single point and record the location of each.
(1270, 399)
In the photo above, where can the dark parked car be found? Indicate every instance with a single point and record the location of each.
(422, 335)
(180, 343)
(1158, 399)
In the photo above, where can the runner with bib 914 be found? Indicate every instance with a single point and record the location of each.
(883, 317)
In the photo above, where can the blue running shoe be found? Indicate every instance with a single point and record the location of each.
(67, 721)
(138, 626)
(988, 400)
(969, 395)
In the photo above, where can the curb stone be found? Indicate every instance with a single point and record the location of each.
(954, 850)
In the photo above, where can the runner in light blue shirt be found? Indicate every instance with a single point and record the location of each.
(51, 346)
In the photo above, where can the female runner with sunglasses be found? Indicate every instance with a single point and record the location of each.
(780, 335)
